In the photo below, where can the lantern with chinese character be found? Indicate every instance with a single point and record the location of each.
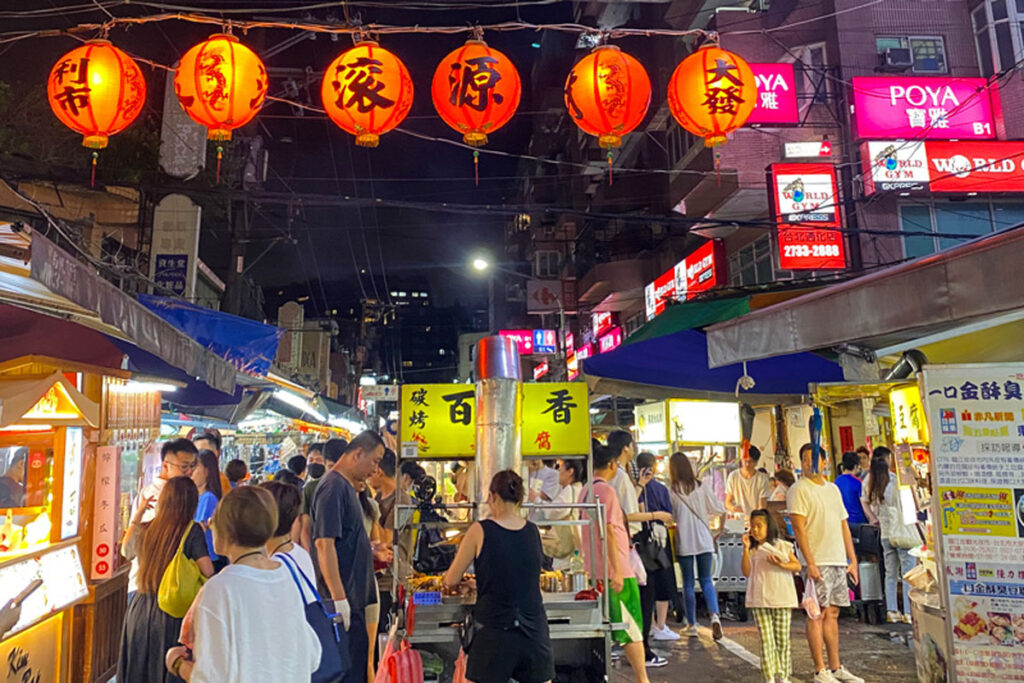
(607, 94)
(711, 93)
(221, 84)
(476, 91)
(96, 90)
(367, 91)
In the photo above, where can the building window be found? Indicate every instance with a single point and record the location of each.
(752, 264)
(967, 218)
(998, 26)
(810, 66)
(548, 264)
(928, 52)
(679, 142)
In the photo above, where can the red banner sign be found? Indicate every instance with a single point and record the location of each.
(943, 166)
(602, 322)
(805, 198)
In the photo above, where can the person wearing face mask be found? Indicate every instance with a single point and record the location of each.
(513, 641)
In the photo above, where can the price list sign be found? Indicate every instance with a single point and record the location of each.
(976, 421)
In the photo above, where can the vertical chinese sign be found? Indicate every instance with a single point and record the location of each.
(805, 198)
(555, 419)
(105, 512)
(977, 429)
(439, 420)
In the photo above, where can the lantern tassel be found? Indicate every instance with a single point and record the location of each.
(220, 154)
(610, 179)
(92, 179)
(476, 167)
(718, 169)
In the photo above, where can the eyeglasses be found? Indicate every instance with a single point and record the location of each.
(182, 467)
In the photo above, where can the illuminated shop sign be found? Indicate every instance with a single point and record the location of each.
(610, 341)
(805, 198)
(602, 322)
(941, 108)
(943, 167)
(702, 270)
(776, 95)
(530, 342)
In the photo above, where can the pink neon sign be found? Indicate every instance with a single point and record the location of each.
(776, 95)
(925, 107)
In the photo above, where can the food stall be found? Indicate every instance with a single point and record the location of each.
(46, 427)
(492, 427)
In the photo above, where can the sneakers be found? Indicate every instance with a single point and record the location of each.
(906, 618)
(716, 627)
(844, 676)
(893, 618)
(824, 676)
(664, 634)
(691, 631)
(656, 662)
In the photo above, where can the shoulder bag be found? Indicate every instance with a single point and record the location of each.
(653, 555)
(703, 520)
(332, 667)
(181, 581)
(901, 535)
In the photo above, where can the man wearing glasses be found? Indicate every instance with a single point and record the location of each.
(177, 459)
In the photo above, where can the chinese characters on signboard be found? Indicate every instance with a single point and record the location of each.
(702, 270)
(555, 419)
(105, 512)
(909, 424)
(776, 95)
(977, 430)
(924, 107)
(805, 198)
(171, 272)
(439, 418)
(940, 166)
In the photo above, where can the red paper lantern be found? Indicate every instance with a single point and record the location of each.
(221, 84)
(607, 94)
(96, 90)
(367, 91)
(711, 93)
(476, 91)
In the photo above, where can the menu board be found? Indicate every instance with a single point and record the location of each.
(63, 583)
(977, 427)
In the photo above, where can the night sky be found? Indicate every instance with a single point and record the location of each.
(309, 154)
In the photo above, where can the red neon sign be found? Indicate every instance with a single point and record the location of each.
(941, 166)
(610, 341)
(805, 198)
(935, 108)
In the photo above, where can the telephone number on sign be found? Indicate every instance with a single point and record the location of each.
(798, 250)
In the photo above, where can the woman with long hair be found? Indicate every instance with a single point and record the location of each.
(693, 507)
(206, 475)
(243, 613)
(148, 630)
(513, 640)
(879, 497)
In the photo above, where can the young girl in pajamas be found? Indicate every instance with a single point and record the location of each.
(769, 564)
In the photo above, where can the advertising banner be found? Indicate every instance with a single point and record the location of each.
(522, 338)
(555, 419)
(610, 341)
(940, 166)
(658, 293)
(702, 270)
(805, 198)
(976, 421)
(438, 420)
(936, 108)
(776, 95)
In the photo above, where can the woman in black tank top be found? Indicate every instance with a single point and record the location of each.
(513, 639)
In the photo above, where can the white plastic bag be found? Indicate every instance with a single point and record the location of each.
(638, 566)
(810, 601)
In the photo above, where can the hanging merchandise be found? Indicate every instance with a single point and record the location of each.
(221, 84)
(96, 90)
(476, 91)
(711, 93)
(607, 94)
(367, 91)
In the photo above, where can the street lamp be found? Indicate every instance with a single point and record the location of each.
(481, 265)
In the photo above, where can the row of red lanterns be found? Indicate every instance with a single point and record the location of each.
(98, 90)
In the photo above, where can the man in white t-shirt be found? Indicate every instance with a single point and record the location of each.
(818, 516)
(746, 489)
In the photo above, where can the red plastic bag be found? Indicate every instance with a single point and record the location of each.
(460, 668)
(401, 665)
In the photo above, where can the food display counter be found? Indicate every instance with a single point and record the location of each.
(47, 427)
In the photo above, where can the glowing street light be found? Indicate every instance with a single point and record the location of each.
(480, 264)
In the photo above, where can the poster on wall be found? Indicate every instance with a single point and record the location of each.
(977, 427)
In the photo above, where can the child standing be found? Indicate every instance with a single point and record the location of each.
(769, 564)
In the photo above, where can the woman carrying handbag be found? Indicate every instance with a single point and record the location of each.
(693, 505)
(170, 539)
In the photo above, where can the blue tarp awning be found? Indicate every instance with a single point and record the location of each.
(247, 344)
(680, 361)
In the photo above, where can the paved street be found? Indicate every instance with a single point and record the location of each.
(867, 651)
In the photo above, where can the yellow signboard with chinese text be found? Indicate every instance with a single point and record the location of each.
(555, 419)
(909, 422)
(440, 419)
(977, 511)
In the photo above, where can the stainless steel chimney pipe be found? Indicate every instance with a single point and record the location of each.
(497, 372)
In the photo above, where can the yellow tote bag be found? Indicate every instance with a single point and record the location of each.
(180, 583)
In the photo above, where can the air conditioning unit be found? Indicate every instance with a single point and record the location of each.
(896, 59)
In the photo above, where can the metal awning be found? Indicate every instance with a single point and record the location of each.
(970, 288)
